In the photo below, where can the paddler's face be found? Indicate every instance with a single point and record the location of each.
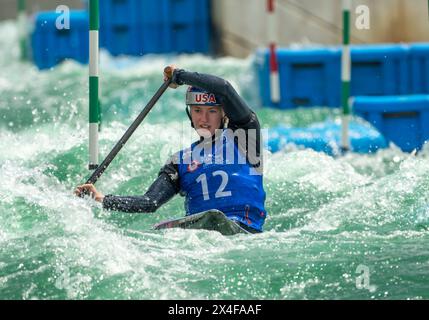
(206, 119)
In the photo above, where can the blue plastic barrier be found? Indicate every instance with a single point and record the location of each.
(164, 38)
(401, 119)
(153, 12)
(127, 40)
(326, 137)
(380, 70)
(419, 68)
(137, 27)
(122, 13)
(51, 46)
(312, 77)
(185, 11)
(308, 77)
(188, 38)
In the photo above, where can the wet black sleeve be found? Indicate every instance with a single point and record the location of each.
(162, 190)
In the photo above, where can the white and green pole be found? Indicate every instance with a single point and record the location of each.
(94, 105)
(22, 30)
(345, 76)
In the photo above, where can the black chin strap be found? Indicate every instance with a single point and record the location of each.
(189, 116)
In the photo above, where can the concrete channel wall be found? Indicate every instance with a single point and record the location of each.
(241, 25)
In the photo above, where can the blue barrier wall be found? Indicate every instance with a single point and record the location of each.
(137, 27)
(312, 77)
(379, 70)
(419, 68)
(401, 119)
(307, 77)
(131, 27)
(50, 45)
(326, 137)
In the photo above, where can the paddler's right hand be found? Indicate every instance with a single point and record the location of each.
(168, 73)
(91, 190)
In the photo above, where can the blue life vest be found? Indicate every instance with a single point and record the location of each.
(210, 179)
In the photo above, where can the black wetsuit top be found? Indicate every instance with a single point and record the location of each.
(167, 184)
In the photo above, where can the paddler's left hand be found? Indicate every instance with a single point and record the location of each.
(91, 190)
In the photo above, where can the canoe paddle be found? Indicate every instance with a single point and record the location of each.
(103, 166)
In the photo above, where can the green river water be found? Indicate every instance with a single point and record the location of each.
(353, 227)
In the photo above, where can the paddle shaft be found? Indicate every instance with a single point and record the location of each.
(103, 166)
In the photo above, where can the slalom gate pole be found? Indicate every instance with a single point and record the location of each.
(94, 84)
(22, 30)
(272, 44)
(345, 77)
